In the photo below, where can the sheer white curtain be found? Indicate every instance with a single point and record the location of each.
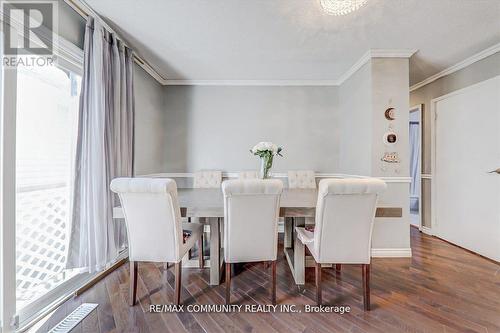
(104, 148)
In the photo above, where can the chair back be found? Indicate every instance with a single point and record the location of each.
(251, 211)
(153, 218)
(248, 175)
(207, 179)
(304, 179)
(345, 212)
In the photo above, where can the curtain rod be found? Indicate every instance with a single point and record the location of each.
(85, 11)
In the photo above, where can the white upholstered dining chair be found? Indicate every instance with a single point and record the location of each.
(207, 179)
(154, 228)
(298, 179)
(251, 210)
(251, 174)
(304, 179)
(345, 212)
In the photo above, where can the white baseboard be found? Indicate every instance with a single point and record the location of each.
(427, 231)
(391, 253)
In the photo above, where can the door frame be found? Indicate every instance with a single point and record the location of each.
(419, 108)
(434, 195)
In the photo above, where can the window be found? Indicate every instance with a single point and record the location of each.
(46, 113)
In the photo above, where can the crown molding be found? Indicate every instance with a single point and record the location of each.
(458, 66)
(354, 68)
(251, 83)
(392, 53)
(84, 10)
(375, 53)
(372, 53)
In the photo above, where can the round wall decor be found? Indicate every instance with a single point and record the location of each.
(390, 114)
(390, 138)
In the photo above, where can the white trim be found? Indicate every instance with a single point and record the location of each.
(392, 253)
(427, 230)
(70, 52)
(62, 48)
(375, 53)
(458, 66)
(85, 10)
(8, 96)
(70, 288)
(277, 83)
(355, 67)
(392, 53)
(372, 53)
(426, 176)
(276, 175)
(396, 179)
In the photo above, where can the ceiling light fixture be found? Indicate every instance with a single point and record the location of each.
(341, 7)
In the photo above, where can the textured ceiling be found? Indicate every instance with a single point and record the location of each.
(295, 39)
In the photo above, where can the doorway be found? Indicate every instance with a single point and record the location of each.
(415, 135)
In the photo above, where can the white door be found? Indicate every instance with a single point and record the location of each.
(466, 197)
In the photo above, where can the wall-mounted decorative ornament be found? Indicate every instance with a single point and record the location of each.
(390, 138)
(390, 157)
(390, 114)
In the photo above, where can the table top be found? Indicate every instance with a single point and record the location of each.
(199, 197)
(199, 202)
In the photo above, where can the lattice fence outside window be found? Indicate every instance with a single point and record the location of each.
(41, 239)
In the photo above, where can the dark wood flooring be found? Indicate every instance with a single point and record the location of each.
(442, 288)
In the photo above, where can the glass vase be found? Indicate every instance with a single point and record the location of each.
(266, 163)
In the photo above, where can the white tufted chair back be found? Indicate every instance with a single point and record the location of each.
(207, 179)
(302, 179)
(344, 219)
(251, 210)
(153, 218)
(248, 175)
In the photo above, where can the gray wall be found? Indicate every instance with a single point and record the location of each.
(71, 24)
(479, 71)
(390, 88)
(363, 99)
(355, 105)
(213, 127)
(149, 112)
(149, 133)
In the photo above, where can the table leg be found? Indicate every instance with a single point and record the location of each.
(214, 251)
(299, 260)
(288, 225)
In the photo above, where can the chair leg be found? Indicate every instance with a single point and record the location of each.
(133, 282)
(319, 300)
(228, 283)
(178, 277)
(273, 282)
(366, 286)
(201, 259)
(338, 268)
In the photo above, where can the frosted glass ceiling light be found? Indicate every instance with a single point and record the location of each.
(341, 7)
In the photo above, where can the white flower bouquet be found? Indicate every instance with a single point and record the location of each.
(266, 151)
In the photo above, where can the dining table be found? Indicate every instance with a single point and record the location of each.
(295, 205)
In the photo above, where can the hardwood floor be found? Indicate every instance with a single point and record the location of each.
(441, 289)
